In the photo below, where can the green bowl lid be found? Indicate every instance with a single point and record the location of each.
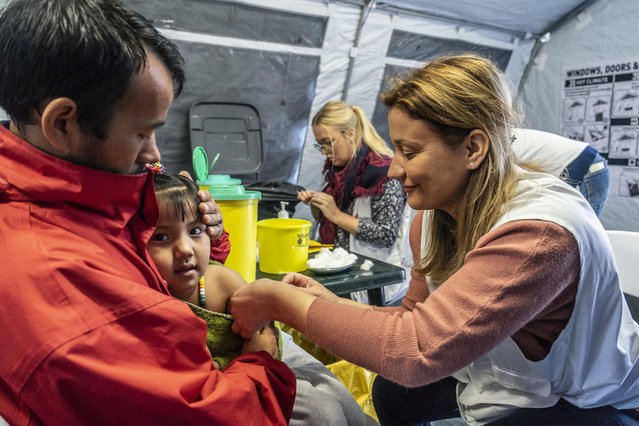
(221, 180)
(200, 164)
(224, 187)
(233, 192)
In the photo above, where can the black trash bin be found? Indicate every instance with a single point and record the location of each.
(273, 193)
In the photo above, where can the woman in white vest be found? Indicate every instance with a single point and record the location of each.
(359, 208)
(575, 162)
(514, 314)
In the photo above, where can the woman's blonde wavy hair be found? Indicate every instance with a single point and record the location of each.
(454, 95)
(342, 116)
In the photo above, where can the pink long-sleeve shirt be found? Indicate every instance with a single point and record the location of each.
(519, 281)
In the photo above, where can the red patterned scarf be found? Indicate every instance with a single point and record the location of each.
(364, 176)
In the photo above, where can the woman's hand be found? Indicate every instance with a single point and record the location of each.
(309, 285)
(254, 305)
(305, 196)
(326, 204)
(249, 307)
(211, 215)
(314, 288)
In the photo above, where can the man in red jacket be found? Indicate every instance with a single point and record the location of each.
(90, 334)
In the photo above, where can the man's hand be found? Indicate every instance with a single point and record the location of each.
(264, 340)
(211, 215)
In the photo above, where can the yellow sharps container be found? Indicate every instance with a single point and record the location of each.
(239, 212)
(283, 245)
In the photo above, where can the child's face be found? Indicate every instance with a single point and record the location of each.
(180, 250)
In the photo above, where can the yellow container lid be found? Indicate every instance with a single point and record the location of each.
(285, 224)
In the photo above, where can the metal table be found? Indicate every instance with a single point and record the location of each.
(354, 279)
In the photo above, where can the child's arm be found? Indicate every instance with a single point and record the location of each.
(221, 283)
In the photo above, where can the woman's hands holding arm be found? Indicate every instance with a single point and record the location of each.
(309, 285)
(315, 288)
(254, 305)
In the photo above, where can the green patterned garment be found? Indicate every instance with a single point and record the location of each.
(223, 344)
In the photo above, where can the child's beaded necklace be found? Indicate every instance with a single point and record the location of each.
(202, 291)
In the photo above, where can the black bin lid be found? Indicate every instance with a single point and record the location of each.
(233, 130)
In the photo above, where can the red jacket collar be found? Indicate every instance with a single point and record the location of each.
(109, 199)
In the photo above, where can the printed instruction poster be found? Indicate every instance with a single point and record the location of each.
(600, 106)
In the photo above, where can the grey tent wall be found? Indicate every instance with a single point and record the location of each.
(313, 55)
(279, 85)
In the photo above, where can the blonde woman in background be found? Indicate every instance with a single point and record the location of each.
(359, 208)
(514, 314)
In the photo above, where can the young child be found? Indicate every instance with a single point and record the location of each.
(180, 249)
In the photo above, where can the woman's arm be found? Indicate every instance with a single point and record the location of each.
(514, 276)
(386, 216)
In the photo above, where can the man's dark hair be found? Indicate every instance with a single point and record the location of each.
(86, 50)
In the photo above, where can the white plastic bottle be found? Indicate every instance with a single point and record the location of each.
(283, 214)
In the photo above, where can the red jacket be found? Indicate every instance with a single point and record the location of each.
(88, 331)
(221, 248)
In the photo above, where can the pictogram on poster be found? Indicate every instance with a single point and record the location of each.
(600, 106)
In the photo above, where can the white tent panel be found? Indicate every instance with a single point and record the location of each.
(517, 15)
(370, 62)
(338, 40)
(298, 70)
(605, 31)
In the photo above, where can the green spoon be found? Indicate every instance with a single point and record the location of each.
(217, 156)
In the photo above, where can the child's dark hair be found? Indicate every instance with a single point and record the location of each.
(180, 195)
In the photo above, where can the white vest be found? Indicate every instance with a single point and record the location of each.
(397, 254)
(553, 153)
(595, 359)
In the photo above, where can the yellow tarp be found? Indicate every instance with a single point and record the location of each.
(357, 380)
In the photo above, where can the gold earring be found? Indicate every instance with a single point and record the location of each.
(472, 164)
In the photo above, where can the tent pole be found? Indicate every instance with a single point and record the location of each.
(546, 34)
(366, 9)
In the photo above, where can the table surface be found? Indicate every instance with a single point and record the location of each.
(354, 279)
